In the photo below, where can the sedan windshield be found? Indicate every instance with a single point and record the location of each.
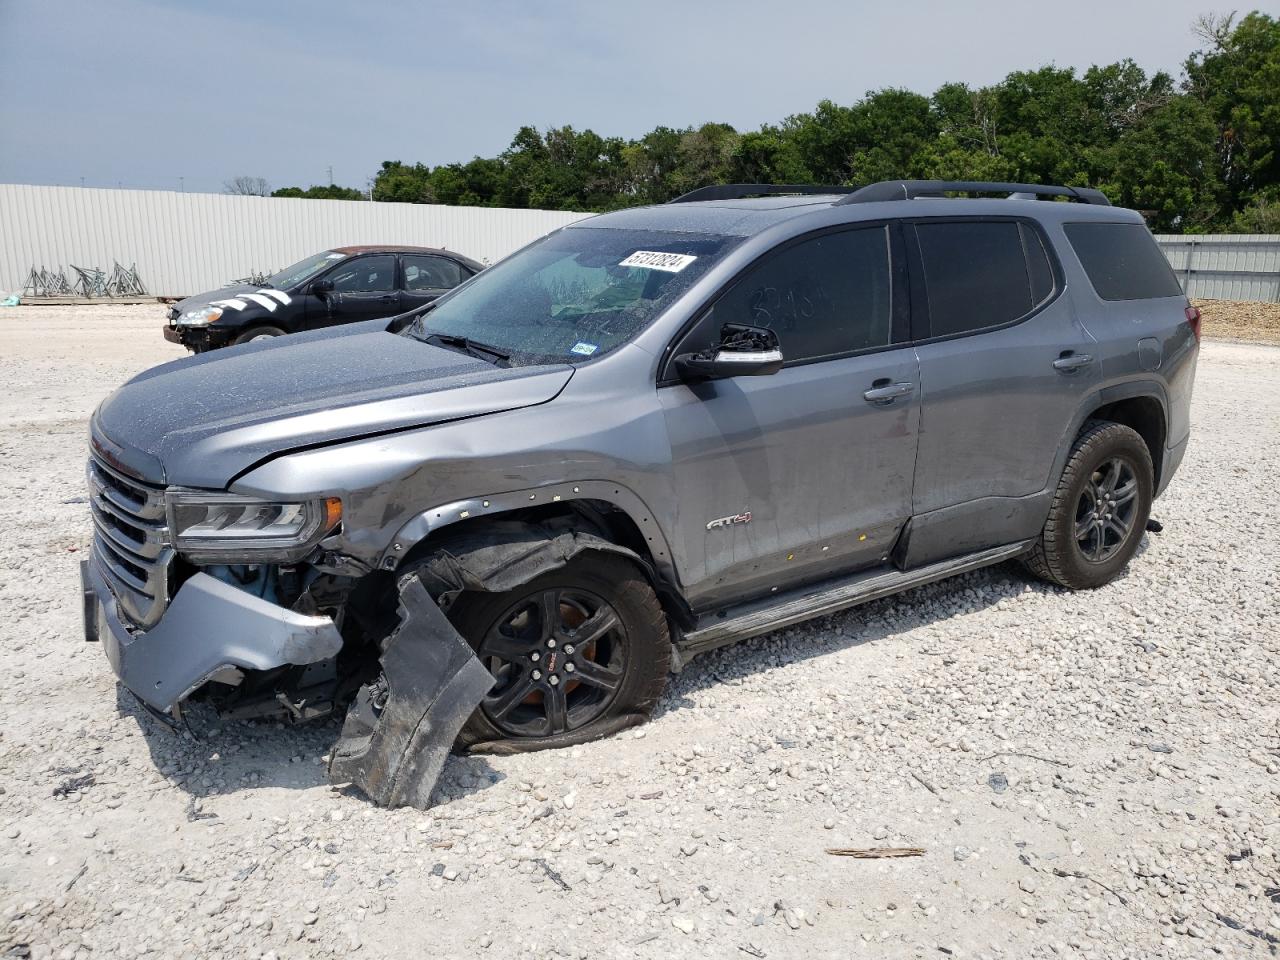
(574, 295)
(303, 270)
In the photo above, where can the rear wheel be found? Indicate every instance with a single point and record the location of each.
(1099, 510)
(258, 333)
(576, 654)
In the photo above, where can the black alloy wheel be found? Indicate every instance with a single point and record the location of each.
(558, 657)
(577, 653)
(1106, 509)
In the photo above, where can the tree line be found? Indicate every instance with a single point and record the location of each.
(1197, 154)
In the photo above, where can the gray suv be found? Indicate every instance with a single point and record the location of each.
(499, 521)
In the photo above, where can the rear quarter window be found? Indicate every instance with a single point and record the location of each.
(1122, 261)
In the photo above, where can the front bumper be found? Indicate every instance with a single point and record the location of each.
(197, 338)
(208, 626)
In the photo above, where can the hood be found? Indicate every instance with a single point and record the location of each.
(238, 301)
(203, 420)
(222, 293)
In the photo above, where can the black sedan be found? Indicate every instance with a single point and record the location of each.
(341, 285)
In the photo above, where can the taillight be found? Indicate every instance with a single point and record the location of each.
(1193, 317)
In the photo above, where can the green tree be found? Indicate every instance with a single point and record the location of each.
(398, 182)
(1165, 166)
(329, 192)
(1238, 80)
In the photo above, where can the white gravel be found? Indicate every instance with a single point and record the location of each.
(1090, 775)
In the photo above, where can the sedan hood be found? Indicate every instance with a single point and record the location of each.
(222, 293)
(203, 420)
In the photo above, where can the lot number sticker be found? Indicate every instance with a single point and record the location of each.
(670, 262)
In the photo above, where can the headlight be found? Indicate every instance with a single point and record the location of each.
(225, 527)
(199, 317)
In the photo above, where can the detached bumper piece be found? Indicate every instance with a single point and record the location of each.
(209, 625)
(400, 729)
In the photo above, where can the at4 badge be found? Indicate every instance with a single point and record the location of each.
(730, 521)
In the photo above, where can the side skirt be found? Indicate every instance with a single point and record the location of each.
(784, 609)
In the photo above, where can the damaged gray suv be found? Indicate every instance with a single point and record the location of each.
(498, 520)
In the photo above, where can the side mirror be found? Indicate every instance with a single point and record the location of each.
(321, 287)
(743, 351)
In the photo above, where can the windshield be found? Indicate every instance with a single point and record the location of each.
(576, 294)
(303, 270)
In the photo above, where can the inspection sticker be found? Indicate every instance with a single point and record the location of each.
(670, 262)
(584, 348)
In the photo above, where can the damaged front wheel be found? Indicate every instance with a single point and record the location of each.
(576, 654)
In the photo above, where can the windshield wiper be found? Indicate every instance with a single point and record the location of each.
(481, 351)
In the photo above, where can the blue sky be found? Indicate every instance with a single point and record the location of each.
(144, 92)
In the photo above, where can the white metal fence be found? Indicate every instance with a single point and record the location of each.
(1226, 266)
(185, 243)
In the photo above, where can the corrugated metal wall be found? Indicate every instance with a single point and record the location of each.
(185, 243)
(1226, 266)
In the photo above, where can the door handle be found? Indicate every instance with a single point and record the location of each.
(1069, 362)
(389, 298)
(884, 392)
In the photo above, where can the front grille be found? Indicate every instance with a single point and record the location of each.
(130, 541)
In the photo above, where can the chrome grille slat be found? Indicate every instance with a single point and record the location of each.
(145, 503)
(118, 565)
(131, 541)
(146, 542)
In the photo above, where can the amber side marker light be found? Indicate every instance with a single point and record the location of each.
(332, 513)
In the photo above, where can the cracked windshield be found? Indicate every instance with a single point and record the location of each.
(575, 295)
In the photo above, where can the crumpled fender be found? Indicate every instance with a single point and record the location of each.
(400, 728)
(503, 555)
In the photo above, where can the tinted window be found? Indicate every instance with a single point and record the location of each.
(432, 273)
(1122, 261)
(975, 273)
(365, 275)
(1038, 268)
(824, 296)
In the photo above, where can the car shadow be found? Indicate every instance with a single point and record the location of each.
(208, 757)
(867, 623)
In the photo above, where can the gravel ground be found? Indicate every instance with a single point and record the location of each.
(1090, 775)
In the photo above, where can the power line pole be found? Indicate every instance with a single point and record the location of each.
(330, 169)
(182, 184)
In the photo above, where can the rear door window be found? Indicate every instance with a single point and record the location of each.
(432, 273)
(1122, 261)
(975, 273)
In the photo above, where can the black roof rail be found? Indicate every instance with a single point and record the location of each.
(910, 189)
(740, 191)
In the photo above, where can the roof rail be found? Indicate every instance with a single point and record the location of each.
(910, 189)
(739, 191)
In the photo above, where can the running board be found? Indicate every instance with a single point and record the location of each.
(782, 610)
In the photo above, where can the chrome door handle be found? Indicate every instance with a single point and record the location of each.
(883, 392)
(1069, 362)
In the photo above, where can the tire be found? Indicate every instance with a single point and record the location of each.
(1088, 539)
(257, 333)
(522, 713)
